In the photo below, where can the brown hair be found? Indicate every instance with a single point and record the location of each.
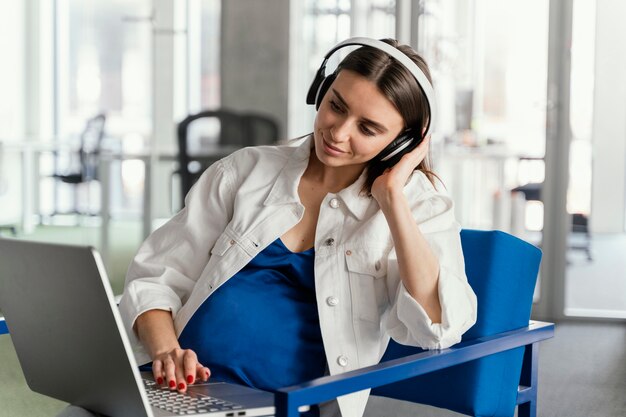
(399, 85)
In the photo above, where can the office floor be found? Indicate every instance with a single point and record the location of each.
(582, 370)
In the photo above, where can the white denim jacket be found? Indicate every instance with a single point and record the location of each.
(247, 200)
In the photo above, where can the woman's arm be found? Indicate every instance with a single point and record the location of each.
(168, 264)
(432, 304)
(417, 265)
(171, 365)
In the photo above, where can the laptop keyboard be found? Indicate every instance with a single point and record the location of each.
(185, 403)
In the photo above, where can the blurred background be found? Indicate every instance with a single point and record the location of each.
(110, 109)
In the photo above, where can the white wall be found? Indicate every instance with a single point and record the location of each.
(608, 200)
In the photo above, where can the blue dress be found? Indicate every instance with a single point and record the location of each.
(261, 327)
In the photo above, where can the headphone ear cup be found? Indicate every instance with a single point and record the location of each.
(324, 86)
(405, 142)
(315, 86)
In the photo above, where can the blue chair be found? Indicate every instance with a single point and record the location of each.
(494, 368)
(490, 373)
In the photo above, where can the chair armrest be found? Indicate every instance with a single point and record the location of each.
(288, 399)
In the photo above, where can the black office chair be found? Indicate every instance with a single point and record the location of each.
(224, 128)
(83, 163)
(261, 129)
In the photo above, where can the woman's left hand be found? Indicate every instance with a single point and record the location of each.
(393, 179)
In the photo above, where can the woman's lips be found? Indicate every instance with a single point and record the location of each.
(330, 148)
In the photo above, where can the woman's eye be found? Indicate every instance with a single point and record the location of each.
(334, 106)
(367, 131)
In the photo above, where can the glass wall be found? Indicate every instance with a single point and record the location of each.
(104, 64)
(490, 74)
(318, 26)
(581, 106)
(11, 105)
(11, 79)
(203, 36)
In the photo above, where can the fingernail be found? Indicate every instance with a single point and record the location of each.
(207, 374)
(159, 380)
(189, 379)
(181, 386)
(172, 383)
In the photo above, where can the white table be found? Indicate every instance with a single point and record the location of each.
(29, 152)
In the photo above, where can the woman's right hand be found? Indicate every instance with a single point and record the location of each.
(172, 366)
(178, 368)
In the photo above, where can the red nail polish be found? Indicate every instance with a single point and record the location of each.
(172, 383)
(207, 374)
(189, 379)
(159, 380)
(181, 386)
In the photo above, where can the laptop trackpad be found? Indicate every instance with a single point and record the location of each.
(234, 393)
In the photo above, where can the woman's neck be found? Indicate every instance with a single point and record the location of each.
(332, 179)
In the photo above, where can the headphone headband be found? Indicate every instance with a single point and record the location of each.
(395, 53)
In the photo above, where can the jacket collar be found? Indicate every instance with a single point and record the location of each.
(356, 201)
(285, 188)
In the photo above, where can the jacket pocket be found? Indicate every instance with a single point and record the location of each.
(367, 268)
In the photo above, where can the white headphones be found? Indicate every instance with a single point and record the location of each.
(322, 82)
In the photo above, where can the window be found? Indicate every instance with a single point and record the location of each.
(11, 79)
(581, 106)
(104, 64)
(11, 106)
(204, 32)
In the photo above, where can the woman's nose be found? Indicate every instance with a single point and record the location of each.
(341, 132)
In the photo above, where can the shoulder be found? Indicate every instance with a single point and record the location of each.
(245, 160)
(420, 187)
(258, 164)
(427, 199)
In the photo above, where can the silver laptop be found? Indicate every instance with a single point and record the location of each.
(72, 346)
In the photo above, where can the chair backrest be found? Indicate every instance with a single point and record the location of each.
(261, 129)
(90, 142)
(82, 161)
(502, 271)
(222, 127)
(218, 127)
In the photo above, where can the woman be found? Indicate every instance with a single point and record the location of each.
(291, 262)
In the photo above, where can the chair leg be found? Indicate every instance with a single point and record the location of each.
(528, 409)
(527, 394)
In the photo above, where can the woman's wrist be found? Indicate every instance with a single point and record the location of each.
(391, 199)
(155, 329)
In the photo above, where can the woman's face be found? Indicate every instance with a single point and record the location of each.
(355, 122)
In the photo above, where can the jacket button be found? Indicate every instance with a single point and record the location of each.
(348, 252)
(232, 242)
(342, 360)
(332, 301)
(334, 203)
(330, 241)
